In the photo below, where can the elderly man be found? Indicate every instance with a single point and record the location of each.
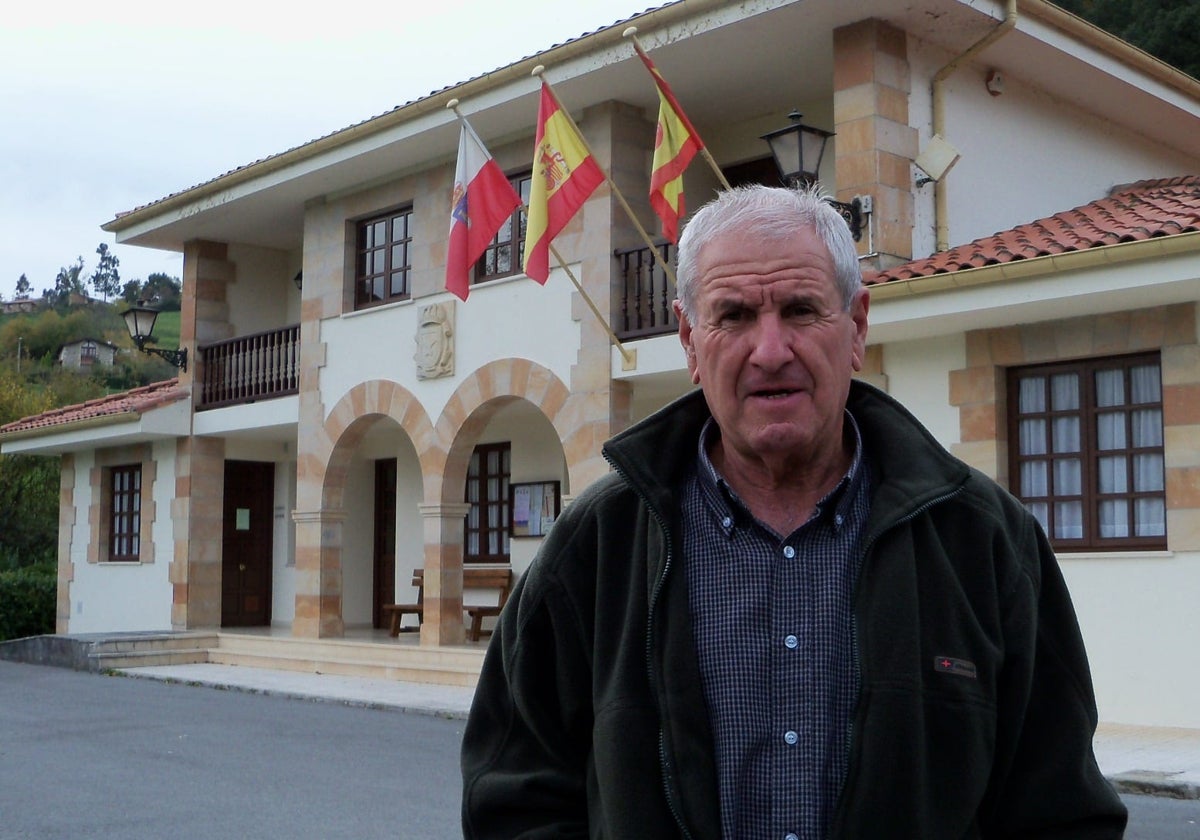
(789, 612)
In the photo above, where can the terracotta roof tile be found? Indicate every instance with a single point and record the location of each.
(1129, 213)
(138, 401)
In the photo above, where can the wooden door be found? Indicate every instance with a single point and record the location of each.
(385, 539)
(248, 543)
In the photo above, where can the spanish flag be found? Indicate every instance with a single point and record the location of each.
(564, 175)
(675, 144)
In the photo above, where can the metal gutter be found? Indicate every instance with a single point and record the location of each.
(70, 426)
(1033, 267)
(941, 200)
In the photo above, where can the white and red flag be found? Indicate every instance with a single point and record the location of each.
(483, 200)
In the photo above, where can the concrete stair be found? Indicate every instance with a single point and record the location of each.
(141, 649)
(349, 658)
(381, 657)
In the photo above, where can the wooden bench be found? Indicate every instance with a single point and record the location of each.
(498, 579)
(398, 611)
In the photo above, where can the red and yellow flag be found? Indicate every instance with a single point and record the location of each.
(564, 175)
(675, 144)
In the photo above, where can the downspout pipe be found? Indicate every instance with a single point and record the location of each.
(940, 199)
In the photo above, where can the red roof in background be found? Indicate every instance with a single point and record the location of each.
(137, 401)
(1130, 212)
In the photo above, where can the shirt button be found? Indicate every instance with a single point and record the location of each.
(791, 837)
(789, 552)
(726, 522)
(838, 519)
(791, 642)
(790, 738)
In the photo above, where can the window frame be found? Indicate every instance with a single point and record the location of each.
(512, 233)
(1089, 451)
(124, 513)
(367, 245)
(476, 522)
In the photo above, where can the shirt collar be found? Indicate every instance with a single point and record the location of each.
(729, 509)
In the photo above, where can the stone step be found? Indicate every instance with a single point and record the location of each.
(407, 662)
(404, 672)
(112, 660)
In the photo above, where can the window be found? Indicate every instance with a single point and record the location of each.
(125, 518)
(1086, 451)
(502, 258)
(487, 493)
(383, 264)
(89, 350)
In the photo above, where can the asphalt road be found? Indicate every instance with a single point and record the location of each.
(114, 758)
(89, 756)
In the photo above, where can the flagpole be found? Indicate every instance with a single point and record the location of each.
(629, 357)
(626, 355)
(670, 272)
(631, 34)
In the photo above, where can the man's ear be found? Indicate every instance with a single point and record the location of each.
(858, 317)
(685, 338)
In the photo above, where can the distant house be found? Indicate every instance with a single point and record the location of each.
(86, 353)
(12, 307)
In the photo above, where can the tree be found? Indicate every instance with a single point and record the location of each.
(24, 287)
(106, 280)
(162, 290)
(28, 484)
(69, 281)
(131, 291)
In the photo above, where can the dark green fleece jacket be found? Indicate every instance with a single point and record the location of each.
(976, 711)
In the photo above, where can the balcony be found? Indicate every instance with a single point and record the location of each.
(249, 368)
(646, 293)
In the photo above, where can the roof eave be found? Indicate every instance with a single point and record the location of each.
(433, 103)
(1042, 266)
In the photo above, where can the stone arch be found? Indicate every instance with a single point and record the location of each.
(473, 404)
(351, 418)
(323, 473)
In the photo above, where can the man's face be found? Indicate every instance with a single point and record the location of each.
(773, 347)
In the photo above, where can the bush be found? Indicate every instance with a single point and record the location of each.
(28, 598)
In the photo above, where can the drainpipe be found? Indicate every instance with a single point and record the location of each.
(940, 199)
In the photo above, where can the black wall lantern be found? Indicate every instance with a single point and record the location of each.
(139, 320)
(797, 150)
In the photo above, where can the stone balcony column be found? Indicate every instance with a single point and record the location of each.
(319, 574)
(872, 80)
(445, 527)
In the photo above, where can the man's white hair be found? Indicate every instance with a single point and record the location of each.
(773, 213)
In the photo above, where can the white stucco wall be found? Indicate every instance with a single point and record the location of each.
(358, 533)
(496, 322)
(385, 440)
(1065, 156)
(123, 596)
(283, 573)
(1140, 623)
(537, 455)
(918, 376)
(262, 295)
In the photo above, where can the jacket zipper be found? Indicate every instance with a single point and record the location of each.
(664, 764)
(858, 668)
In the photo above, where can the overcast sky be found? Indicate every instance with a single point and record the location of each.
(106, 106)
